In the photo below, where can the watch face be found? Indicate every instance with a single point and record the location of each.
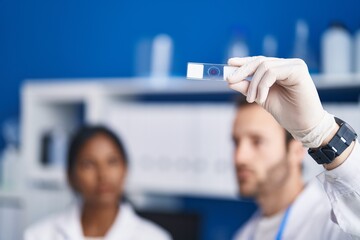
(351, 129)
(341, 122)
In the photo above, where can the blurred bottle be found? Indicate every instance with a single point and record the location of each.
(357, 52)
(270, 46)
(336, 50)
(10, 157)
(237, 46)
(161, 59)
(143, 58)
(302, 47)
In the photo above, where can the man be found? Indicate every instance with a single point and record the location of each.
(268, 161)
(268, 165)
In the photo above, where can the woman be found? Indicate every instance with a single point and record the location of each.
(97, 167)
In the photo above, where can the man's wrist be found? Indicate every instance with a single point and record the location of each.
(314, 136)
(343, 156)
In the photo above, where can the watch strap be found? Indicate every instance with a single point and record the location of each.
(341, 140)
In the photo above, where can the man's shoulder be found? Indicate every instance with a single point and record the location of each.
(313, 197)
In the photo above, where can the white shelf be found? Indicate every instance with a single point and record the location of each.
(79, 89)
(73, 90)
(324, 82)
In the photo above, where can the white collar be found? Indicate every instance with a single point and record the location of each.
(69, 224)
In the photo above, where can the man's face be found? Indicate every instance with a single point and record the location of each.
(260, 151)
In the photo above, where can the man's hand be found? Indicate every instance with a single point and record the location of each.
(285, 89)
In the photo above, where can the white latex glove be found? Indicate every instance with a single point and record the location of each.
(285, 89)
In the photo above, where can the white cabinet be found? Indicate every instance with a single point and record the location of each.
(174, 148)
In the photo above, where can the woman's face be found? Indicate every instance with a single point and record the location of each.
(99, 171)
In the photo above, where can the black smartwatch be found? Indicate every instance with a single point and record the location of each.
(342, 140)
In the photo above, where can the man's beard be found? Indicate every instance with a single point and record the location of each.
(275, 178)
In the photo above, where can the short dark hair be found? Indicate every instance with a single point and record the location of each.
(83, 135)
(241, 102)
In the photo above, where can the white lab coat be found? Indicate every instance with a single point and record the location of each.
(67, 226)
(316, 216)
(342, 186)
(309, 218)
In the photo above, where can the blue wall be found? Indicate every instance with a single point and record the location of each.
(86, 38)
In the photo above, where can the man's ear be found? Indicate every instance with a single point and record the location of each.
(296, 152)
